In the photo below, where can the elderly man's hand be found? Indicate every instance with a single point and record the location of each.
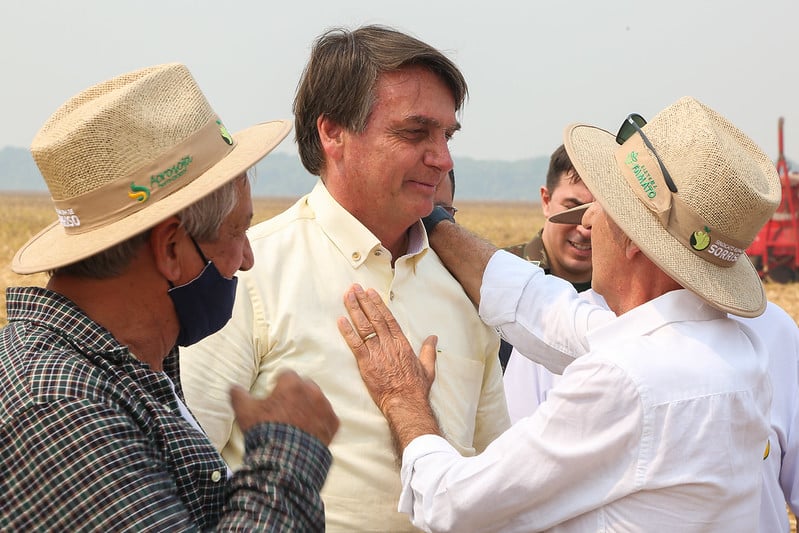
(295, 401)
(398, 381)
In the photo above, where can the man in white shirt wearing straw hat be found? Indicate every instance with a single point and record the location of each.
(527, 385)
(153, 202)
(662, 423)
(779, 332)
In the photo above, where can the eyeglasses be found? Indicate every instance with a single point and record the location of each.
(633, 124)
(448, 208)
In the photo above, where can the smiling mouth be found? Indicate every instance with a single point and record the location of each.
(582, 246)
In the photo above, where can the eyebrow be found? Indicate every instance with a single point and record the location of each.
(574, 200)
(428, 121)
(245, 222)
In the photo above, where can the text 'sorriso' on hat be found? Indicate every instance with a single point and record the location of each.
(691, 190)
(124, 155)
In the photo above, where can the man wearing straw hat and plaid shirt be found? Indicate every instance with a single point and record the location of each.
(662, 423)
(153, 201)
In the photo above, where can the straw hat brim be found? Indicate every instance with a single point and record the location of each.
(53, 247)
(573, 215)
(736, 289)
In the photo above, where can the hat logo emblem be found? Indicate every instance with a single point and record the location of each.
(225, 133)
(700, 239)
(139, 193)
(642, 175)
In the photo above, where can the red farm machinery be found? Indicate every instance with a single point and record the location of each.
(775, 250)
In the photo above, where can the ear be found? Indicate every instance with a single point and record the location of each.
(631, 249)
(165, 238)
(331, 135)
(545, 199)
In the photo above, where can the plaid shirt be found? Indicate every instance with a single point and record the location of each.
(92, 439)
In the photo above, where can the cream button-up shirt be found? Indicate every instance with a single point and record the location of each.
(285, 317)
(661, 426)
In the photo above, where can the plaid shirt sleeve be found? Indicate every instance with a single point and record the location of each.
(284, 470)
(92, 440)
(106, 478)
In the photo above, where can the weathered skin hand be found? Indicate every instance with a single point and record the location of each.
(398, 381)
(295, 401)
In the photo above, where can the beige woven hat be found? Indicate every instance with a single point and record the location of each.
(726, 189)
(124, 155)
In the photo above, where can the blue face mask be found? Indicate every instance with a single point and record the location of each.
(204, 304)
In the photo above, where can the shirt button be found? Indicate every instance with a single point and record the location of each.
(391, 296)
(356, 256)
(216, 475)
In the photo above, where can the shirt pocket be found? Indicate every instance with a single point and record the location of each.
(455, 397)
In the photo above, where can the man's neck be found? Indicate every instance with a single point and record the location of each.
(399, 247)
(392, 233)
(137, 319)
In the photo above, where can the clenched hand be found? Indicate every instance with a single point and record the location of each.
(295, 401)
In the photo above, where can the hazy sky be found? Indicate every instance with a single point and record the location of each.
(532, 66)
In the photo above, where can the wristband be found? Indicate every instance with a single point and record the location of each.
(437, 215)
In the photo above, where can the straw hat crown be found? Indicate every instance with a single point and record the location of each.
(127, 153)
(116, 127)
(720, 172)
(726, 189)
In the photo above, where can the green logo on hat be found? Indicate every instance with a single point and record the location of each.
(162, 179)
(139, 193)
(642, 175)
(225, 133)
(700, 239)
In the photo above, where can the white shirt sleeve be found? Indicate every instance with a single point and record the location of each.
(524, 474)
(552, 335)
(526, 382)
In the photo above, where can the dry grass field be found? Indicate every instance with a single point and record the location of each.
(24, 215)
(501, 223)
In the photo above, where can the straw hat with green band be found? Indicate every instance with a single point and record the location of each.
(124, 155)
(726, 189)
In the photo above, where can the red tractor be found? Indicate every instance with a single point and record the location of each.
(775, 250)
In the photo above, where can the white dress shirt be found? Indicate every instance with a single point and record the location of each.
(285, 318)
(660, 426)
(527, 384)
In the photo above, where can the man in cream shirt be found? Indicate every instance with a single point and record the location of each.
(375, 129)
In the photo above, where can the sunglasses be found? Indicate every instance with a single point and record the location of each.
(633, 124)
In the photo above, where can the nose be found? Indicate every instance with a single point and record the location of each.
(438, 155)
(588, 217)
(247, 259)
